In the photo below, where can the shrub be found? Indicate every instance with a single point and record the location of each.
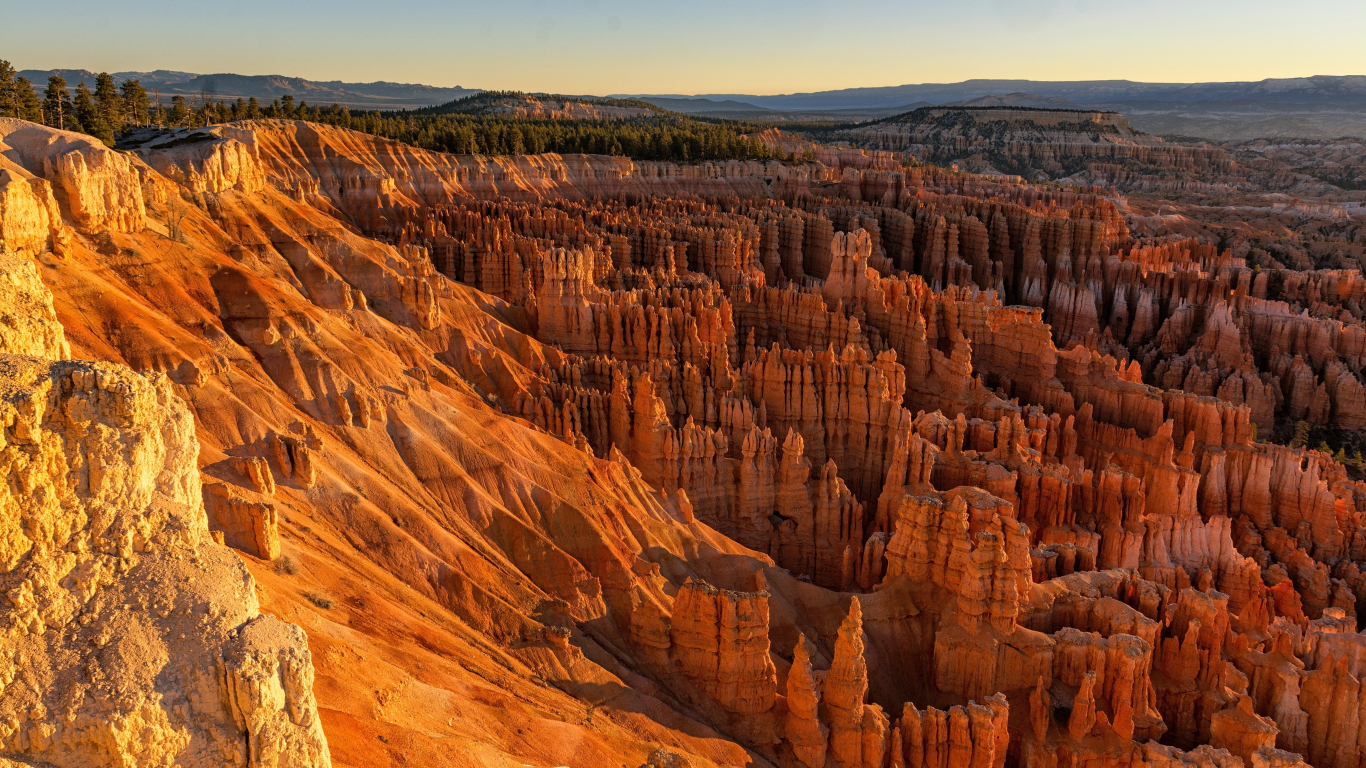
(322, 602)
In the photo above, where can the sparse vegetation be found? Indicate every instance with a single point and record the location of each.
(321, 601)
(174, 215)
(1301, 438)
(287, 566)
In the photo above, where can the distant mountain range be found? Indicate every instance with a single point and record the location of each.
(1032, 100)
(1323, 89)
(694, 106)
(378, 95)
(1308, 107)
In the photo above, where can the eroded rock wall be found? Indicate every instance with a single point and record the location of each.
(129, 637)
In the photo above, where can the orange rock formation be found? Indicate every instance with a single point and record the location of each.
(582, 461)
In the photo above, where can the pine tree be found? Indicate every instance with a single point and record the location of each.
(109, 103)
(9, 106)
(57, 105)
(87, 112)
(287, 106)
(27, 103)
(136, 106)
(253, 108)
(1301, 438)
(179, 111)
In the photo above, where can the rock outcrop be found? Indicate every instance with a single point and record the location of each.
(128, 636)
(28, 323)
(98, 189)
(720, 643)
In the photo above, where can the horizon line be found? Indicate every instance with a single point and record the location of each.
(695, 95)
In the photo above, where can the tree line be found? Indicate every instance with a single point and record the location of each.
(101, 113)
(111, 110)
(679, 139)
(464, 126)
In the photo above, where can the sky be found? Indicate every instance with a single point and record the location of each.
(694, 46)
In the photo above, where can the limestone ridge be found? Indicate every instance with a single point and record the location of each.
(128, 637)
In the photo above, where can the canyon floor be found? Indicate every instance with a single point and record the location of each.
(321, 449)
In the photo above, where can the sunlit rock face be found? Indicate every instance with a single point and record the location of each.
(323, 448)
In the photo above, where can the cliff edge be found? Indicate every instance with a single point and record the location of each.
(128, 637)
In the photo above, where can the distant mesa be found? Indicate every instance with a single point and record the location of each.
(1320, 107)
(1032, 100)
(545, 106)
(700, 106)
(1032, 142)
(1324, 89)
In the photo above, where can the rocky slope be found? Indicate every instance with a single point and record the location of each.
(129, 636)
(580, 461)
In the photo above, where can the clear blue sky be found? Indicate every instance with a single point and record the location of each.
(703, 46)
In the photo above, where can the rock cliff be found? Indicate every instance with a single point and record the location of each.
(129, 636)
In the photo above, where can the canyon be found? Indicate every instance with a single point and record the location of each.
(321, 449)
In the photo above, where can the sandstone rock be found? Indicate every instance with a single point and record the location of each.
(99, 187)
(256, 471)
(974, 735)
(720, 643)
(28, 324)
(1241, 731)
(250, 526)
(104, 513)
(209, 165)
(807, 734)
(844, 692)
(30, 221)
(296, 456)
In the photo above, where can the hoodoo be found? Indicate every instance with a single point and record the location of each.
(320, 448)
